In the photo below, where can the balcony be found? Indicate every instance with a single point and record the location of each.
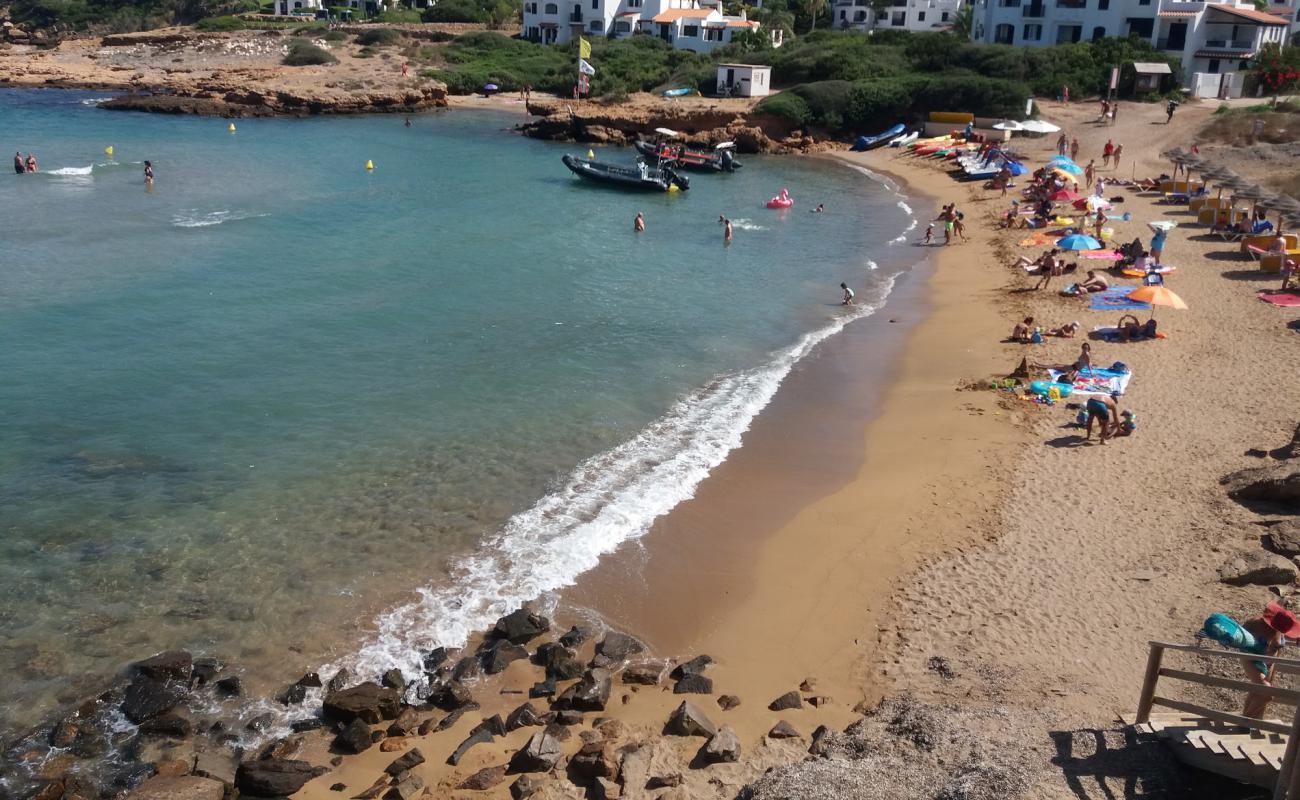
(1230, 44)
(1034, 11)
(576, 16)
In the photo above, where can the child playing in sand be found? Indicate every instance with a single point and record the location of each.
(929, 234)
(1127, 423)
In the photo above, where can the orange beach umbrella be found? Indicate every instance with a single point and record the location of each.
(1157, 296)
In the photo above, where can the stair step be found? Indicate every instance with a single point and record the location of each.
(1254, 756)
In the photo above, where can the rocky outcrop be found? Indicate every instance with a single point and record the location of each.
(274, 777)
(218, 100)
(368, 702)
(1257, 567)
(704, 125)
(689, 720)
(1276, 486)
(539, 755)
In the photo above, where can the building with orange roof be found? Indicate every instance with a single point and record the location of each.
(697, 25)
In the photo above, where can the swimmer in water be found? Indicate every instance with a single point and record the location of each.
(638, 225)
(31, 163)
(819, 209)
(148, 173)
(20, 167)
(726, 236)
(408, 122)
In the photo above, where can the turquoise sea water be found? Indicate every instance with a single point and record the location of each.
(286, 411)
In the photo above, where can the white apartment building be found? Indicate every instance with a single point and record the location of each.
(697, 25)
(918, 16)
(1207, 37)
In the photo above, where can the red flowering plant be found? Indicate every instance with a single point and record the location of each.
(1277, 68)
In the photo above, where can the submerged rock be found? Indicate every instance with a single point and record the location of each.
(172, 665)
(146, 698)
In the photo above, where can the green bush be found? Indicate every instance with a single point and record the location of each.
(786, 105)
(379, 37)
(399, 16)
(220, 24)
(335, 36)
(303, 53)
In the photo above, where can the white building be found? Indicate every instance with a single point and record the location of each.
(697, 25)
(300, 7)
(1207, 37)
(918, 16)
(744, 80)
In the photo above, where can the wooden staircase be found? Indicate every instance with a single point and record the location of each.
(1261, 752)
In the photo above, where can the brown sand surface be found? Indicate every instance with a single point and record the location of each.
(978, 551)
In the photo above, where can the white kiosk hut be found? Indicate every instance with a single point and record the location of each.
(744, 80)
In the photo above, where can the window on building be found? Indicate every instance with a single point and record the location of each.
(843, 14)
(898, 19)
(1141, 27)
(691, 30)
(596, 27)
(943, 17)
(1245, 64)
(1103, 5)
(713, 34)
(595, 5)
(622, 27)
(1004, 34)
(920, 16)
(1068, 33)
(551, 8)
(1144, 2)
(860, 16)
(1099, 33)
(1033, 32)
(881, 16)
(1214, 65)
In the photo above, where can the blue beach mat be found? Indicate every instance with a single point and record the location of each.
(1096, 380)
(1116, 298)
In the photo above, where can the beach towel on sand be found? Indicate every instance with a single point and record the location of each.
(1115, 298)
(1284, 299)
(1094, 380)
(1102, 255)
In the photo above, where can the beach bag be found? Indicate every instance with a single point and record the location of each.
(1119, 366)
(1036, 338)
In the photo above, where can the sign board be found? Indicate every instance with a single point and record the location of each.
(1114, 78)
(1029, 107)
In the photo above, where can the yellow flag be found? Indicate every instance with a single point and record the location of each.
(584, 48)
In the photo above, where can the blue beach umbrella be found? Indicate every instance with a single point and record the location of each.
(1078, 241)
(1061, 159)
(1069, 166)
(1016, 168)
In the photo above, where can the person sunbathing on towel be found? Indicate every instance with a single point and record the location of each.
(1129, 329)
(1066, 331)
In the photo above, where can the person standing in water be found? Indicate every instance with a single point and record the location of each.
(638, 225)
(726, 236)
(848, 295)
(148, 173)
(31, 163)
(19, 166)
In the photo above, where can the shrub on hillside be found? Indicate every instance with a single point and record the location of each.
(220, 24)
(786, 105)
(303, 53)
(379, 37)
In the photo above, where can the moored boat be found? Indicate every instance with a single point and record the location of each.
(872, 142)
(721, 159)
(642, 176)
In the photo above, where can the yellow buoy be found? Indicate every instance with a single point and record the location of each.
(672, 187)
(370, 164)
(590, 153)
(108, 151)
(232, 127)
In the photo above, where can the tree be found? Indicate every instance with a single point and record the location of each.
(963, 25)
(773, 16)
(1277, 68)
(812, 8)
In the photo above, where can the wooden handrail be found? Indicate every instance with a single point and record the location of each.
(1290, 696)
(1222, 716)
(1293, 663)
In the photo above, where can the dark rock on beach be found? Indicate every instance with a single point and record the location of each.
(521, 626)
(695, 666)
(728, 701)
(354, 737)
(173, 665)
(146, 698)
(1284, 538)
(292, 695)
(618, 646)
(466, 669)
(204, 671)
(409, 759)
(645, 674)
(1276, 486)
(589, 694)
(786, 702)
(406, 723)
(435, 658)
(1257, 567)
(783, 730)
(544, 688)
(339, 681)
(539, 755)
(576, 636)
(368, 702)
(308, 724)
(693, 684)
(275, 777)
(174, 723)
(499, 655)
(724, 747)
(525, 787)
(479, 735)
(231, 686)
(393, 679)
(689, 720)
(484, 779)
(523, 716)
(450, 696)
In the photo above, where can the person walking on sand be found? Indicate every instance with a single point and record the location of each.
(1061, 144)
(1090, 172)
(1158, 245)
(638, 224)
(1107, 152)
(929, 234)
(1065, 94)
(1098, 223)
(19, 166)
(1114, 112)
(31, 163)
(848, 295)
(1074, 149)
(1169, 111)
(1264, 635)
(1119, 148)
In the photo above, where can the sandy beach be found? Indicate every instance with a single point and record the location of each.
(967, 547)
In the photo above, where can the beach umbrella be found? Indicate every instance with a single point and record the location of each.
(1064, 175)
(1016, 168)
(1157, 296)
(1254, 193)
(1165, 225)
(1071, 167)
(1064, 196)
(1284, 205)
(1039, 126)
(1178, 156)
(490, 87)
(1008, 125)
(1078, 241)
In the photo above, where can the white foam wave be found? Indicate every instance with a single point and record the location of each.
(72, 170)
(194, 219)
(898, 239)
(905, 207)
(612, 498)
(746, 225)
(873, 265)
(94, 101)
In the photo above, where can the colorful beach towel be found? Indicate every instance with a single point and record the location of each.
(1094, 380)
(1116, 298)
(1284, 299)
(1102, 255)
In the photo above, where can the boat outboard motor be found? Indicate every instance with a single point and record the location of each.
(682, 181)
(728, 161)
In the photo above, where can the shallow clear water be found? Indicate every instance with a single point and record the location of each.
(252, 411)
